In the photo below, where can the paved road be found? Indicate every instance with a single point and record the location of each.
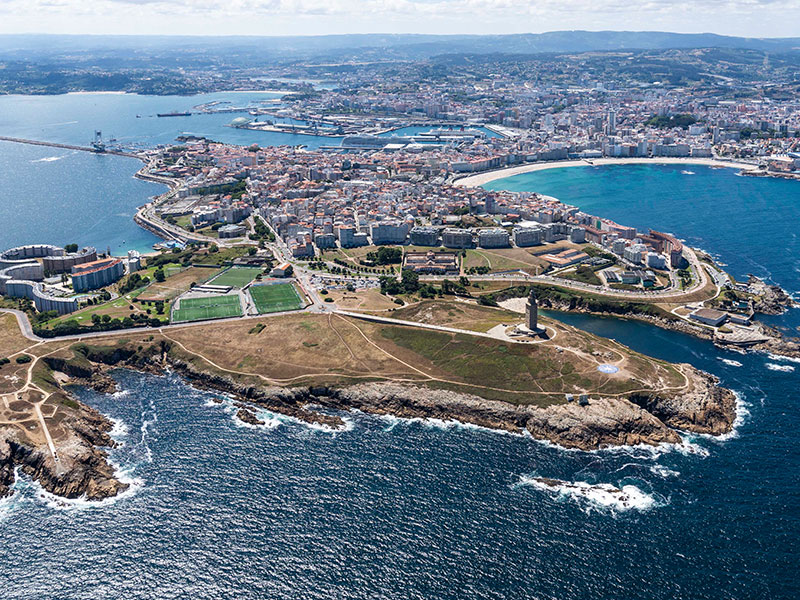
(24, 324)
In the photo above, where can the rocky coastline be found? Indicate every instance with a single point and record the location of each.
(81, 469)
(604, 422)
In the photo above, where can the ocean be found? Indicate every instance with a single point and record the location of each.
(408, 509)
(58, 196)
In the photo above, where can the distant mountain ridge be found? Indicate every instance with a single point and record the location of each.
(413, 46)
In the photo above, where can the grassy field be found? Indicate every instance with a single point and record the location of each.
(369, 299)
(275, 298)
(221, 256)
(504, 259)
(215, 307)
(583, 274)
(11, 340)
(115, 309)
(237, 277)
(176, 284)
(456, 314)
(302, 349)
(315, 349)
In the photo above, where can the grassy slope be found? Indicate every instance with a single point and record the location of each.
(305, 349)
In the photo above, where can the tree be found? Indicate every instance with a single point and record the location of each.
(71, 248)
(106, 318)
(159, 275)
(410, 280)
(487, 300)
(95, 319)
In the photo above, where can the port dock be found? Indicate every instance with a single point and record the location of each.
(68, 147)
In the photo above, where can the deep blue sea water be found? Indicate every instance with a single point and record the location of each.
(73, 119)
(751, 225)
(56, 196)
(397, 509)
(61, 196)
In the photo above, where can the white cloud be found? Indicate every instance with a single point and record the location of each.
(738, 17)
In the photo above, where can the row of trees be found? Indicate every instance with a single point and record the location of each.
(72, 326)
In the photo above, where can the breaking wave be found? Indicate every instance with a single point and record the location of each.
(119, 431)
(272, 419)
(41, 495)
(603, 496)
(779, 358)
(663, 471)
(444, 425)
(729, 362)
(781, 368)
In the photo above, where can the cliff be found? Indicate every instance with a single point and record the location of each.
(81, 468)
(653, 419)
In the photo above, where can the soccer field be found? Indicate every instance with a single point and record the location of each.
(215, 307)
(237, 277)
(275, 298)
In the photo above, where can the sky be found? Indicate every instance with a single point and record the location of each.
(750, 18)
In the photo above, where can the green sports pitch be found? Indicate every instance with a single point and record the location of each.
(275, 298)
(214, 307)
(237, 277)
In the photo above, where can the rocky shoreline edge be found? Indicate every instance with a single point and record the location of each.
(639, 419)
(777, 344)
(81, 469)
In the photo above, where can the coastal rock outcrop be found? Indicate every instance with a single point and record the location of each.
(771, 299)
(703, 407)
(248, 416)
(603, 422)
(79, 469)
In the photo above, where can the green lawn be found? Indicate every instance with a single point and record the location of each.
(237, 277)
(275, 298)
(200, 309)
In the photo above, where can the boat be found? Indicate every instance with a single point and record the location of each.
(174, 114)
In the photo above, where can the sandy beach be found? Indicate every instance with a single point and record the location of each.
(484, 178)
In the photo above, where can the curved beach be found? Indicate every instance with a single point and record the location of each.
(484, 178)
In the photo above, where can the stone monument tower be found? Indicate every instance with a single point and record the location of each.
(532, 312)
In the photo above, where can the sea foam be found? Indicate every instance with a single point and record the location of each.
(124, 475)
(49, 158)
(780, 358)
(729, 362)
(602, 496)
(444, 425)
(781, 368)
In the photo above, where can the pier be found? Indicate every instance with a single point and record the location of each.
(67, 146)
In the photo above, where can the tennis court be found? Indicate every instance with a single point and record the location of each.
(237, 277)
(214, 307)
(275, 298)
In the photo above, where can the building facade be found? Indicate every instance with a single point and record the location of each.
(97, 274)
